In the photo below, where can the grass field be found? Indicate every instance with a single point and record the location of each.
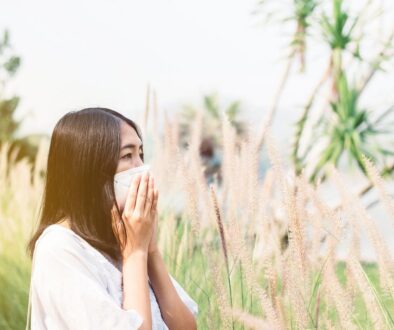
(254, 253)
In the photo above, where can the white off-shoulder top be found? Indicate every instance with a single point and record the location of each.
(74, 286)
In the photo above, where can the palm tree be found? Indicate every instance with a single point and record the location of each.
(303, 11)
(211, 118)
(352, 131)
(347, 128)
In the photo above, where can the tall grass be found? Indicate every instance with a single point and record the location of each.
(253, 252)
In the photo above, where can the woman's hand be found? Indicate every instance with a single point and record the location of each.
(153, 242)
(138, 216)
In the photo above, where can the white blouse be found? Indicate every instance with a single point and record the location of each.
(74, 286)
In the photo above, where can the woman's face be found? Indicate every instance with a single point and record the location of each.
(131, 151)
(131, 148)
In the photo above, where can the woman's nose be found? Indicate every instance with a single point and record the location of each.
(139, 162)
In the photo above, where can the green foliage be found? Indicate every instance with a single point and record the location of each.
(347, 128)
(9, 125)
(14, 290)
(338, 29)
(9, 63)
(351, 131)
(211, 111)
(302, 14)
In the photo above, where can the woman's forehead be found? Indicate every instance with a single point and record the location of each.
(128, 135)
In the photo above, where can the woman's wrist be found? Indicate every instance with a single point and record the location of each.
(153, 257)
(137, 254)
(153, 250)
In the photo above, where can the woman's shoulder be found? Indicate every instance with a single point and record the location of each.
(58, 241)
(59, 248)
(56, 236)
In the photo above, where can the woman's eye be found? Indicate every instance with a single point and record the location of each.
(127, 156)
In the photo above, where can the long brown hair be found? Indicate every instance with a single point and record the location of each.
(82, 161)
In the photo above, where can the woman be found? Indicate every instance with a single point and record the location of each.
(96, 264)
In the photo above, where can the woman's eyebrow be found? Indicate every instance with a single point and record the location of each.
(130, 145)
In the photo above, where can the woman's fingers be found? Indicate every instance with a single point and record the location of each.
(149, 197)
(155, 199)
(142, 193)
(132, 196)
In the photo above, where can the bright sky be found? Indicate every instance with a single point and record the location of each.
(103, 53)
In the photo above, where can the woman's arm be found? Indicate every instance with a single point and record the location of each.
(137, 219)
(68, 292)
(175, 313)
(136, 286)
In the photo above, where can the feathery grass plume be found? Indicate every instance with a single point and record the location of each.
(251, 281)
(155, 130)
(251, 321)
(270, 231)
(193, 180)
(16, 222)
(170, 147)
(265, 196)
(146, 111)
(195, 173)
(338, 296)
(165, 239)
(323, 219)
(289, 195)
(371, 301)
(192, 206)
(315, 220)
(220, 224)
(329, 324)
(242, 181)
(335, 293)
(358, 213)
(297, 271)
(234, 240)
(196, 128)
(301, 216)
(229, 162)
(250, 166)
(347, 211)
(271, 279)
(182, 249)
(295, 290)
(296, 230)
(239, 247)
(222, 234)
(267, 306)
(221, 293)
(272, 276)
(377, 180)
